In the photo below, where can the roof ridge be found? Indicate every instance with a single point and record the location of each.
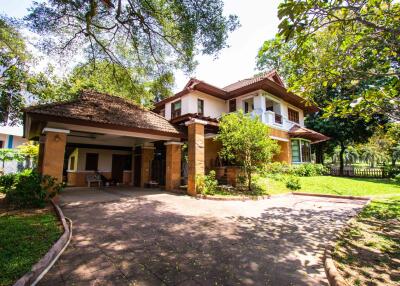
(50, 104)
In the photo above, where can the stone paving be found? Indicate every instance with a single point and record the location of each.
(138, 237)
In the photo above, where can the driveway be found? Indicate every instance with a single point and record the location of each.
(136, 237)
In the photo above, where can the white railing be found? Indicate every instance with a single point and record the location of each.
(272, 119)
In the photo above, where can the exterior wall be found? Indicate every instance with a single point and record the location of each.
(211, 149)
(147, 157)
(53, 154)
(285, 154)
(213, 107)
(77, 175)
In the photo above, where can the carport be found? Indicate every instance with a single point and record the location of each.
(107, 134)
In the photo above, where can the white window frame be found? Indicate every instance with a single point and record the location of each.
(300, 150)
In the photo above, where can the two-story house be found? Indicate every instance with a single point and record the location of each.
(264, 96)
(129, 145)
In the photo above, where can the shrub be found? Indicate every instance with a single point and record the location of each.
(309, 170)
(293, 183)
(397, 179)
(29, 189)
(6, 182)
(392, 171)
(206, 185)
(277, 168)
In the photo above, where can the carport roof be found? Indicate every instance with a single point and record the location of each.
(107, 111)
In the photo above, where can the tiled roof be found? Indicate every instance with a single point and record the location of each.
(106, 109)
(301, 132)
(245, 82)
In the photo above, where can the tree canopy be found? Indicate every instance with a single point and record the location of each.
(13, 71)
(154, 35)
(344, 44)
(245, 141)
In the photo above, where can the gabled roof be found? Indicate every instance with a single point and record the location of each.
(105, 109)
(270, 82)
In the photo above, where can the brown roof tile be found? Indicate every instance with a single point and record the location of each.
(301, 132)
(271, 75)
(107, 109)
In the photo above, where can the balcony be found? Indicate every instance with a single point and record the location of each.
(273, 119)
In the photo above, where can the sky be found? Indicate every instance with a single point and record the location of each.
(259, 22)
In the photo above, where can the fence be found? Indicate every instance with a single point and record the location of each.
(360, 172)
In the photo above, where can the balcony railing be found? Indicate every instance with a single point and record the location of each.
(273, 119)
(278, 118)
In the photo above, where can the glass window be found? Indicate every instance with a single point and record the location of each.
(296, 151)
(176, 109)
(200, 106)
(92, 160)
(232, 105)
(293, 115)
(305, 151)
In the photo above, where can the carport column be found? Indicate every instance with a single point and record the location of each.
(195, 152)
(173, 165)
(147, 158)
(53, 147)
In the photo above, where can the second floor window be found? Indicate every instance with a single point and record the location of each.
(232, 105)
(293, 115)
(176, 108)
(200, 106)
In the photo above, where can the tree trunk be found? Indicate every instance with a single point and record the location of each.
(319, 153)
(341, 158)
(249, 180)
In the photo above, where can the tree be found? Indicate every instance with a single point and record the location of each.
(344, 131)
(393, 135)
(7, 155)
(153, 35)
(13, 72)
(30, 152)
(245, 141)
(103, 76)
(346, 44)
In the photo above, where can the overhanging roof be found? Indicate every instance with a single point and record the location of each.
(105, 111)
(301, 132)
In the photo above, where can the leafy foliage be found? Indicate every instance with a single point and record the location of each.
(8, 155)
(245, 141)
(206, 184)
(347, 45)
(293, 183)
(154, 35)
(29, 189)
(13, 71)
(302, 170)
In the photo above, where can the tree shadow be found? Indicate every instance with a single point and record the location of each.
(142, 241)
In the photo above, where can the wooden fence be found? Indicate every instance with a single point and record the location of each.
(360, 172)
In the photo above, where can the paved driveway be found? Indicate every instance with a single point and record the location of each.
(127, 237)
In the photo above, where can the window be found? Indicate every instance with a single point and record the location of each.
(301, 151)
(176, 109)
(1, 144)
(269, 105)
(162, 112)
(72, 163)
(248, 105)
(92, 160)
(200, 106)
(232, 105)
(293, 115)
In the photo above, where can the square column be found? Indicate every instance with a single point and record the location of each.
(173, 165)
(53, 150)
(195, 152)
(147, 158)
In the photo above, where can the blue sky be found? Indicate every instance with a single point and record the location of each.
(259, 22)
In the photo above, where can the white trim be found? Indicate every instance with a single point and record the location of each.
(209, 135)
(55, 130)
(173, 143)
(195, 120)
(279, 138)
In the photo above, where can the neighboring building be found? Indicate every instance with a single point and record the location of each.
(130, 145)
(11, 138)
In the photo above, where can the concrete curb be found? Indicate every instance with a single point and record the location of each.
(43, 265)
(238, 198)
(333, 275)
(332, 196)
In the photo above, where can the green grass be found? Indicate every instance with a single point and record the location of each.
(369, 251)
(24, 239)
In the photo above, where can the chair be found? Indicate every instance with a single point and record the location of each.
(93, 178)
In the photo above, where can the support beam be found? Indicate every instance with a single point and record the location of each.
(195, 152)
(173, 165)
(53, 148)
(147, 159)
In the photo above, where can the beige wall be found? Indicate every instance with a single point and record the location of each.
(17, 140)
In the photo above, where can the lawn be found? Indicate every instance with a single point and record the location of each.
(369, 251)
(24, 239)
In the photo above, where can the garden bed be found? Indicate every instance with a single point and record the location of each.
(25, 237)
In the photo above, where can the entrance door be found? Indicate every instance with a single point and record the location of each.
(119, 164)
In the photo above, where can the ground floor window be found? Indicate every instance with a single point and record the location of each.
(301, 151)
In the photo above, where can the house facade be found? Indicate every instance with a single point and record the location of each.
(10, 138)
(132, 146)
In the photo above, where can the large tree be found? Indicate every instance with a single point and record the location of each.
(13, 71)
(155, 35)
(245, 141)
(347, 44)
(102, 76)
